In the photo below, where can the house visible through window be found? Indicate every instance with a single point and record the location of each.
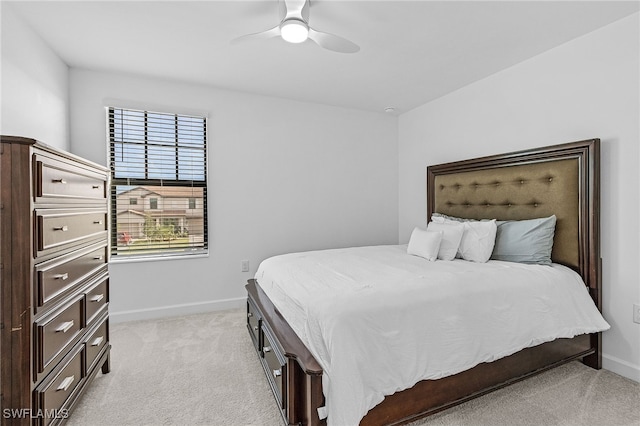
(159, 183)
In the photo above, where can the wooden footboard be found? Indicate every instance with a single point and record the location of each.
(430, 396)
(293, 373)
(296, 377)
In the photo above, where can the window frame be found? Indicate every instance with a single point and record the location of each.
(165, 253)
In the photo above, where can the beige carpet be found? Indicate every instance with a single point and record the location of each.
(202, 370)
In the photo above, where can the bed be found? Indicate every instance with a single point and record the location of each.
(561, 180)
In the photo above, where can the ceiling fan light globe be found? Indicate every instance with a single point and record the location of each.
(294, 31)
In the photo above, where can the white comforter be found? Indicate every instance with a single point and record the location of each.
(379, 320)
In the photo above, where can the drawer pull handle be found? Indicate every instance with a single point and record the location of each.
(255, 327)
(97, 341)
(97, 298)
(277, 373)
(97, 222)
(62, 277)
(63, 228)
(64, 385)
(97, 258)
(266, 349)
(64, 327)
(249, 315)
(58, 181)
(95, 186)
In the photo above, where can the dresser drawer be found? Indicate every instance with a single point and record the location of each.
(97, 296)
(55, 331)
(56, 228)
(94, 344)
(274, 364)
(56, 276)
(59, 181)
(52, 394)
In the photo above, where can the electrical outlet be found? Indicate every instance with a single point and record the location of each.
(636, 314)
(245, 266)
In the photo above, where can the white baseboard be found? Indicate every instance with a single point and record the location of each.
(176, 310)
(621, 367)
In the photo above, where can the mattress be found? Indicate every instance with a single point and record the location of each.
(379, 320)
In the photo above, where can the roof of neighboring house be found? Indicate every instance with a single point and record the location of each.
(169, 191)
(174, 191)
(136, 212)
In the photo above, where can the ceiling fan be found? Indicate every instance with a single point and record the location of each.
(294, 28)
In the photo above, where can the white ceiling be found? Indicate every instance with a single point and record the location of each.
(411, 51)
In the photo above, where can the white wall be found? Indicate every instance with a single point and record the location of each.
(35, 85)
(283, 176)
(587, 88)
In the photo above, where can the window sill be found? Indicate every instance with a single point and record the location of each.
(142, 258)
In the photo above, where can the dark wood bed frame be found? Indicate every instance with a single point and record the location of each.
(518, 185)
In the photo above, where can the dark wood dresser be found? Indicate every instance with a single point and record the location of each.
(54, 280)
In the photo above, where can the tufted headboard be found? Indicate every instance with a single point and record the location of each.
(562, 180)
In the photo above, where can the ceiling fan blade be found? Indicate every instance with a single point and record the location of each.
(333, 42)
(273, 32)
(282, 10)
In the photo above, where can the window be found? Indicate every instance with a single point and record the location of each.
(162, 158)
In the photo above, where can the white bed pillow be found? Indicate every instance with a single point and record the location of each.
(478, 240)
(451, 237)
(425, 243)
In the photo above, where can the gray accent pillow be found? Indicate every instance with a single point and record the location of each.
(525, 241)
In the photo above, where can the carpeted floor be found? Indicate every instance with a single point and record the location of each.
(202, 370)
